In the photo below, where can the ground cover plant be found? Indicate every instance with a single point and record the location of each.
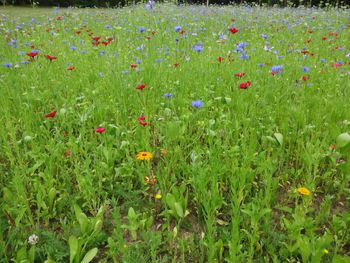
(175, 134)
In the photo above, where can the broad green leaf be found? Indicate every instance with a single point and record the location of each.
(343, 140)
(90, 255)
(179, 210)
(279, 138)
(73, 247)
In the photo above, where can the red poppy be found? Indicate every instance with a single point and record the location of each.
(110, 39)
(133, 66)
(32, 54)
(304, 78)
(106, 43)
(233, 30)
(96, 43)
(324, 38)
(245, 85)
(100, 130)
(96, 38)
(273, 73)
(50, 57)
(143, 123)
(59, 18)
(141, 86)
(240, 74)
(141, 118)
(220, 59)
(71, 68)
(337, 65)
(51, 114)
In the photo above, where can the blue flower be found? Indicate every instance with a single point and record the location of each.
(8, 65)
(264, 36)
(261, 65)
(73, 48)
(142, 29)
(242, 45)
(197, 103)
(306, 69)
(168, 95)
(323, 60)
(177, 28)
(277, 69)
(244, 56)
(108, 26)
(198, 48)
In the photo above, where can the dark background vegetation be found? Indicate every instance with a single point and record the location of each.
(119, 3)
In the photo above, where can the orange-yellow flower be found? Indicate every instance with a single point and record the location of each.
(304, 191)
(144, 156)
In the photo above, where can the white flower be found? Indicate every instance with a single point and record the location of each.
(33, 239)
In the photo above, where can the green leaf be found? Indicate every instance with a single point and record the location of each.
(170, 200)
(279, 138)
(343, 140)
(179, 210)
(73, 247)
(89, 255)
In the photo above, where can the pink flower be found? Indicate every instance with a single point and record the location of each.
(100, 130)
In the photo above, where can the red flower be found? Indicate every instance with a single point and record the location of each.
(96, 38)
(240, 74)
(332, 147)
(220, 59)
(141, 86)
(51, 114)
(71, 68)
(50, 57)
(148, 37)
(133, 66)
(177, 64)
(109, 39)
(324, 38)
(337, 65)
(304, 78)
(233, 30)
(32, 54)
(245, 85)
(143, 123)
(154, 32)
(106, 43)
(96, 43)
(59, 18)
(100, 130)
(78, 32)
(141, 118)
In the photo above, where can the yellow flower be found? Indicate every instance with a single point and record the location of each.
(144, 156)
(158, 196)
(304, 191)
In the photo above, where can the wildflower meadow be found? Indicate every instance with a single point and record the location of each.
(166, 133)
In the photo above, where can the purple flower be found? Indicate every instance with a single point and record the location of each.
(244, 56)
(7, 65)
(177, 28)
(264, 36)
(168, 95)
(306, 69)
(197, 103)
(198, 48)
(277, 69)
(142, 29)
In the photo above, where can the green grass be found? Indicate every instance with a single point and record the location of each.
(228, 172)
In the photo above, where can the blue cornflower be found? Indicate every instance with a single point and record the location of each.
(168, 95)
(306, 69)
(102, 53)
(108, 26)
(177, 28)
(277, 69)
(142, 29)
(242, 45)
(244, 56)
(261, 65)
(264, 36)
(7, 65)
(198, 48)
(323, 60)
(197, 103)
(26, 62)
(73, 48)
(19, 27)
(239, 50)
